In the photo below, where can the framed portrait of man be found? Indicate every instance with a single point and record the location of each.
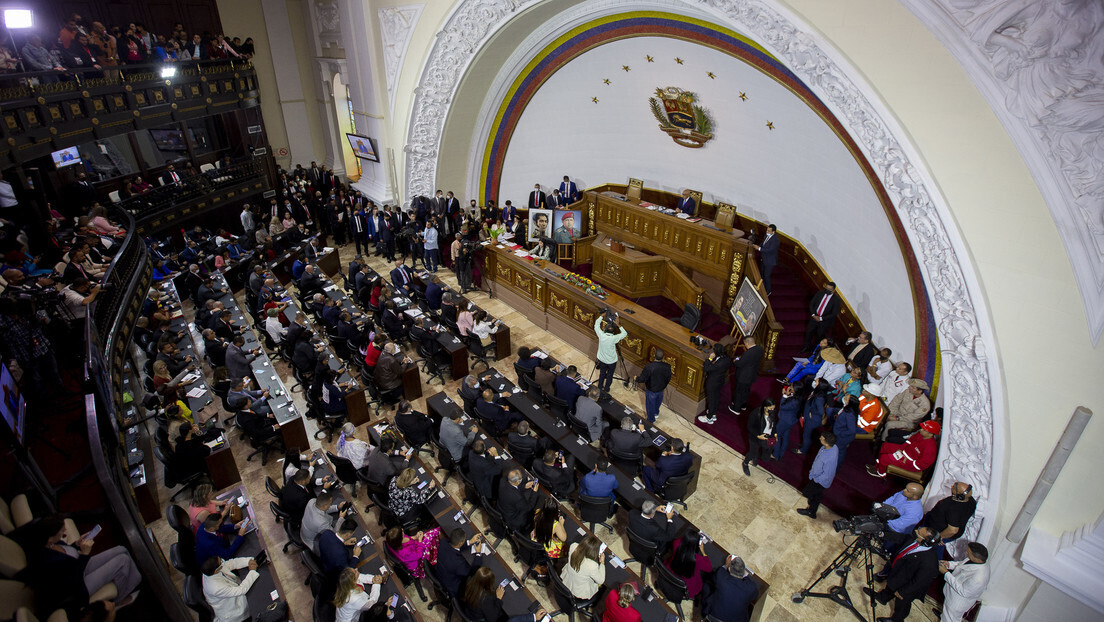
(540, 224)
(567, 226)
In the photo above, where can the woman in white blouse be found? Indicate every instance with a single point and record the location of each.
(350, 598)
(351, 448)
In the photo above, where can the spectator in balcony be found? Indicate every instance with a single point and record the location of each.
(137, 186)
(37, 58)
(195, 50)
(103, 40)
(224, 44)
(131, 50)
(247, 48)
(9, 62)
(101, 225)
(69, 31)
(81, 54)
(165, 52)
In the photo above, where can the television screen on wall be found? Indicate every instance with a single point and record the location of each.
(66, 157)
(363, 147)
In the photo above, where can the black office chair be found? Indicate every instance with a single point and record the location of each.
(469, 405)
(595, 510)
(312, 564)
(187, 484)
(193, 597)
(401, 571)
(532, 389)
(631, 464)
(523, 455)
(329, 423)
(672, 587)
(643, 551)
(476, 351)
(447, 463)
(530, 553)
(568, 603)
(557, 407)
(272, 487)
(181, 561)
(386, 518)
(323, 609)
(470, 495)
(291, 528)
(691, 317)
(263, 447)
(437, 591)
(429, 364)
(496, 523)
(522, 372)
(577, 426)
(345, 471)
(674, 490)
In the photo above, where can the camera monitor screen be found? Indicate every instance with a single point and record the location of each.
(66, 157)
(13, 408)
(363, 147)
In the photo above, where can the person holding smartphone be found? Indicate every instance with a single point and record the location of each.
(71, 570)
(585, 571)
(482, 601)
(351, 599)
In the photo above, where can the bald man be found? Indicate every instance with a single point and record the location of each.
(911, 510)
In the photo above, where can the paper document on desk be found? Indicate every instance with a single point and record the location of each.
(539, 355)
(196, 392)
(414, 313)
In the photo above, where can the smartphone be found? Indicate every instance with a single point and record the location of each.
(504, 583)
(603, 549)
(668, 508)
(394, 601)
(95, 531)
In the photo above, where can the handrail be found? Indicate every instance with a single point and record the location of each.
(769, 329)
(34, 83)
(107, 335)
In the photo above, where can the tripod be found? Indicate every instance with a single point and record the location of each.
(625, 378)
(862, 546)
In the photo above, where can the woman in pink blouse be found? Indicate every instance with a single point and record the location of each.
(412, 550)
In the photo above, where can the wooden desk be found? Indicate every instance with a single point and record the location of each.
(561, 308)
(266, 589)
(330, 263)
(639, 274)
(412, 383)
(222, 468)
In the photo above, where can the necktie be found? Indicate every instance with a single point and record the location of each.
(823, 305)
(905, 551)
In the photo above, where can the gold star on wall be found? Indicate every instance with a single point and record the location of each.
(649, 59)
(678, 60)
(712, 76)
(743, 96)
(625, 68)
(770, 125)
(594, 99)
(606, 81)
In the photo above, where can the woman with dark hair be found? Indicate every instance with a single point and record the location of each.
(411, 550)
(619, 605)
(482, 601)
(548, 529)
(716, 373)
(760, 426)
(689, 561)
(72, 572)
(789, 413)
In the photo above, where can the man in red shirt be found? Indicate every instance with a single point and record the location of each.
(916, 454)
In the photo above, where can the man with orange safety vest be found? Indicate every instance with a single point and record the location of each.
(916, 454)
(871, 409)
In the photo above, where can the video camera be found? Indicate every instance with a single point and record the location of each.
(868, 524)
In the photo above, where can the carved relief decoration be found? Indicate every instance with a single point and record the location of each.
(396, 25)
(1041, 67)
(327, 20)
(968, 446)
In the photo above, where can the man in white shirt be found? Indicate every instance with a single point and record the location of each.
(78, 296)
(7, 194)
(224, 592)
(965, 582)
(896, 381)
(273, 326)
(247, 219)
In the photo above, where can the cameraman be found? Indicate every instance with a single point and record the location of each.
(609, 333)
(76, 297)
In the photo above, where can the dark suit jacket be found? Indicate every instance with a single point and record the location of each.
(671, 466)
(567, 389)
(396, 277)
(716, 372)
(516, 505)
(526, 442)
(863, 358)
(311, 283)
(768, 250)
(452, 569)
(561, 479)
(628, 442)
(687, 205)
(747, 368)
(912, 574)
(216, 351)
(415, 426)
(732, 598)
(212, 545)
(483, 470)
(334, 554)
(294, 500)
(537, 199)
(831, 311)
(657, 528)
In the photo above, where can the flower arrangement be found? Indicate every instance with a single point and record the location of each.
(585, 284)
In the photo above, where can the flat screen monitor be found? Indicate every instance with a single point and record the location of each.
(363, 147)
(66, 157)
(169, 140)
(13, 408)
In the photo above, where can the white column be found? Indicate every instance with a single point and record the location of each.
(288, 84)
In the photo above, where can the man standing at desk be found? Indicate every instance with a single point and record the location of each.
(609, 333)
(768, 255)
(686, 204)
(568, 190)
(537, 198)
(655, 377)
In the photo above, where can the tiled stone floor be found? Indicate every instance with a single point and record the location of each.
(751, 516)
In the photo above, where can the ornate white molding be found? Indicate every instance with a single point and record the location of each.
(1067, 561)
(396, 26)
(972, 447)
(327, 20)
(1041, 67)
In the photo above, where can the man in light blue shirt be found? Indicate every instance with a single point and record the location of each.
(911, 510)
(609, 334)
(822, 474)
(429, 236)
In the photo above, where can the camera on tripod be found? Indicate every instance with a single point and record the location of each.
(868, 524)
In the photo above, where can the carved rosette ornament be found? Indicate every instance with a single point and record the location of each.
(967, 450)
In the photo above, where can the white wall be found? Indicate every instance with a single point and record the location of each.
(799, 175)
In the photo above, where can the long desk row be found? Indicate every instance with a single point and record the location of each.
(267, 590)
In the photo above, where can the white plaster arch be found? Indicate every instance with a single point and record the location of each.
(973, 443)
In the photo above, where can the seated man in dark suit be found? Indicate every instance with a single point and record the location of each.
(331, 313)
(674, 462)
(434, 293)
(483, 467)
(469, 389)
(524, 440)
(258, 427)
(214, 348)
(338, 550)
(401, 278)
(311, 282)
(599, 482)
(516, 500)
(566, 387)
(452, 568)
(449, 311)
(305, 355)
(394, 322)
(490, 408)
(209, 541)
(653, 526)
(556, 472)
(733, 593)
(386, 461)
(630, 439)
(416, 427)
(296, 495)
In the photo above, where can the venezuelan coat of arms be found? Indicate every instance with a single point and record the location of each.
(687, 123)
